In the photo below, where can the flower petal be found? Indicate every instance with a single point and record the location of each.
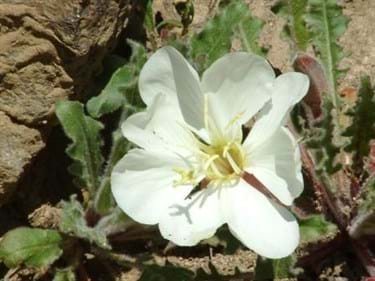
(277, 165)
(288, 89)
(159, 128)
(240, 81)
(191, 220)
(259, 223)
(143, 184)
(167, 72)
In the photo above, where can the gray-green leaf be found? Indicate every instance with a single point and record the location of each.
(86, 143)
(315, 227)
(73, 222)
(33, 247)
(65, 274)
(215, 40)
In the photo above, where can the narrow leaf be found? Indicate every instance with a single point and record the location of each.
(113, 96)
(315, 227)
(322, 143)
(66, 274)
(215, 40)
(73, 222)
(30, 246)
(327, 23)
(362, 129)
(86, 143)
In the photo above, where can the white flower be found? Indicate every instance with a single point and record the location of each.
(197, 168)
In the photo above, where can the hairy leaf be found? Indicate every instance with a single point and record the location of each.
(315, 227)
(104, 202)
(113, 96)
(322, 143)
(33, 247)
(73, 222)
(327, 23)
(294, 11)
(85, 149)
(215, 40)
(66, 274)
(362, 130)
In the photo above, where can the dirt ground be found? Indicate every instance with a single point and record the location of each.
(25, 140)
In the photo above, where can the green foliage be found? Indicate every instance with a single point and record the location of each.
(104, 202)
(294, 11)
(315, 227)
(215, 40)
(166, 273)
(86, 143)
(273, 268)
(124, 79)
(325, 150)
(73, 222)
(32, 247)
(65, 274)
(362, 129)
(327, 23)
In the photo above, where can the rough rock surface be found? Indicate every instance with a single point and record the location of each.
(49, 50)
(18, 144)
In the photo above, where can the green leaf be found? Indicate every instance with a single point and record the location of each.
(362, 129)
(104, 201)
(215, 40)
(315, 227)
(112, 96)
(322, 143)
(66, 274)
(294, 11)
(117, 221)
(30, 246)
(327, 23)
(273, 268)
(73, 222)
(166, 273)
(86, 143)
(125, 78)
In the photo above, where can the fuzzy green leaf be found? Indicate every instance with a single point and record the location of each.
(215, 40)
(73, 222)
(86, 143)
(294, 11)
(362, 130)
(66, 274)
(325, 150)
(32, 247)
(113, 96)
(327, 23)
(315, 227)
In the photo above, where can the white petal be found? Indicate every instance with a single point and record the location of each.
(288, 89)
(260, 224)
(143, 184)
(167, 72)
(241, 82)
(159, 128)
(191, 220)
(280, 159)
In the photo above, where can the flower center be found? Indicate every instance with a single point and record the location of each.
(223, 163)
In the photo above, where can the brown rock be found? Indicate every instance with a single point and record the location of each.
(49, 50)
(18, 144)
